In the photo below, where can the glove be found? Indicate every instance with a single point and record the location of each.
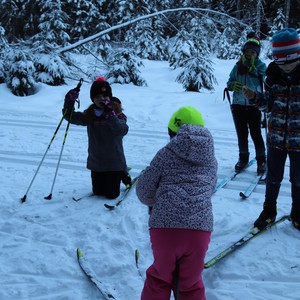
(237, 86)
(107, 107)
(71, 97)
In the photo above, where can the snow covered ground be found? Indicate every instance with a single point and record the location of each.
(39, 238)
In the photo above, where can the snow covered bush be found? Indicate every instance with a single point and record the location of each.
(20, 73)
(50, 69)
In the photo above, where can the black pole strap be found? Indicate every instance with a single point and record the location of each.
(226, 95)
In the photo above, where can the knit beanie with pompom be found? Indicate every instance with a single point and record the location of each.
(100, 86)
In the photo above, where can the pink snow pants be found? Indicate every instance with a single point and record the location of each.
(169, 245)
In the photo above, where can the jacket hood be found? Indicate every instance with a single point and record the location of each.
(193, 143)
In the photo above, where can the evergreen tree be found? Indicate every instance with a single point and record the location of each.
(52, 24)
(180, 52)
(197, 74)
(13, 18)
(123, 68)
(124, 11)
(147, 40)
(4, 48)
(197, 71)
(230, 41)
(49, 67)
(278, 24)
(20, 73)
(87, 18)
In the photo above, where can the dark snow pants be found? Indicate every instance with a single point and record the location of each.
(276, 159)
(248, 118)
(107, 184)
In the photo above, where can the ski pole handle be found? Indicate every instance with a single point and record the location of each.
(79, 84)
(78, 89)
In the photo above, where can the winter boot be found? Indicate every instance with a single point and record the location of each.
(241, 164)
(266, 217)
(261, 166)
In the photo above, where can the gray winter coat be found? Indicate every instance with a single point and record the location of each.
(180, 181)
(105, 152)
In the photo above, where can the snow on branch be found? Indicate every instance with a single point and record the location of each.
(112, 28)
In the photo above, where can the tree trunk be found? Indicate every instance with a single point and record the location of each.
(287, 12)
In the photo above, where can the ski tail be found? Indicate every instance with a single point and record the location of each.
(228, 178)
(253, 184)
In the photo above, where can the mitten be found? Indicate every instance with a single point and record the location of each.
(107, 107)
(71, 97)
(236, 86)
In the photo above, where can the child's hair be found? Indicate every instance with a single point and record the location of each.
(117, 105)
(241, 68)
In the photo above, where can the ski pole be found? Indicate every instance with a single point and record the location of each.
(49, 197)
(23, 199)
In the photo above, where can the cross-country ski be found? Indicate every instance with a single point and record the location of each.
(254, 232)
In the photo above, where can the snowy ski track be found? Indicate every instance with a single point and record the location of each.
(41, 230)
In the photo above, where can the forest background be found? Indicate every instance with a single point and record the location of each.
(40, 40)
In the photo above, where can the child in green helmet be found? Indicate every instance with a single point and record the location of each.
(178, 185)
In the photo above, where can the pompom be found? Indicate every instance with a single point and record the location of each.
(100, 78)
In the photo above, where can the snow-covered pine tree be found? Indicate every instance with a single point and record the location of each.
(50, 69)
(87, 18)
(12, 18)
(180, 51)
(123, 67)
(4, 48)
(230, 42)
(277, 24)
(147, 40)
(83, 18)
(197, 74)
(191, 53)
(20, 73)
(121, 11)
(53, 26)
